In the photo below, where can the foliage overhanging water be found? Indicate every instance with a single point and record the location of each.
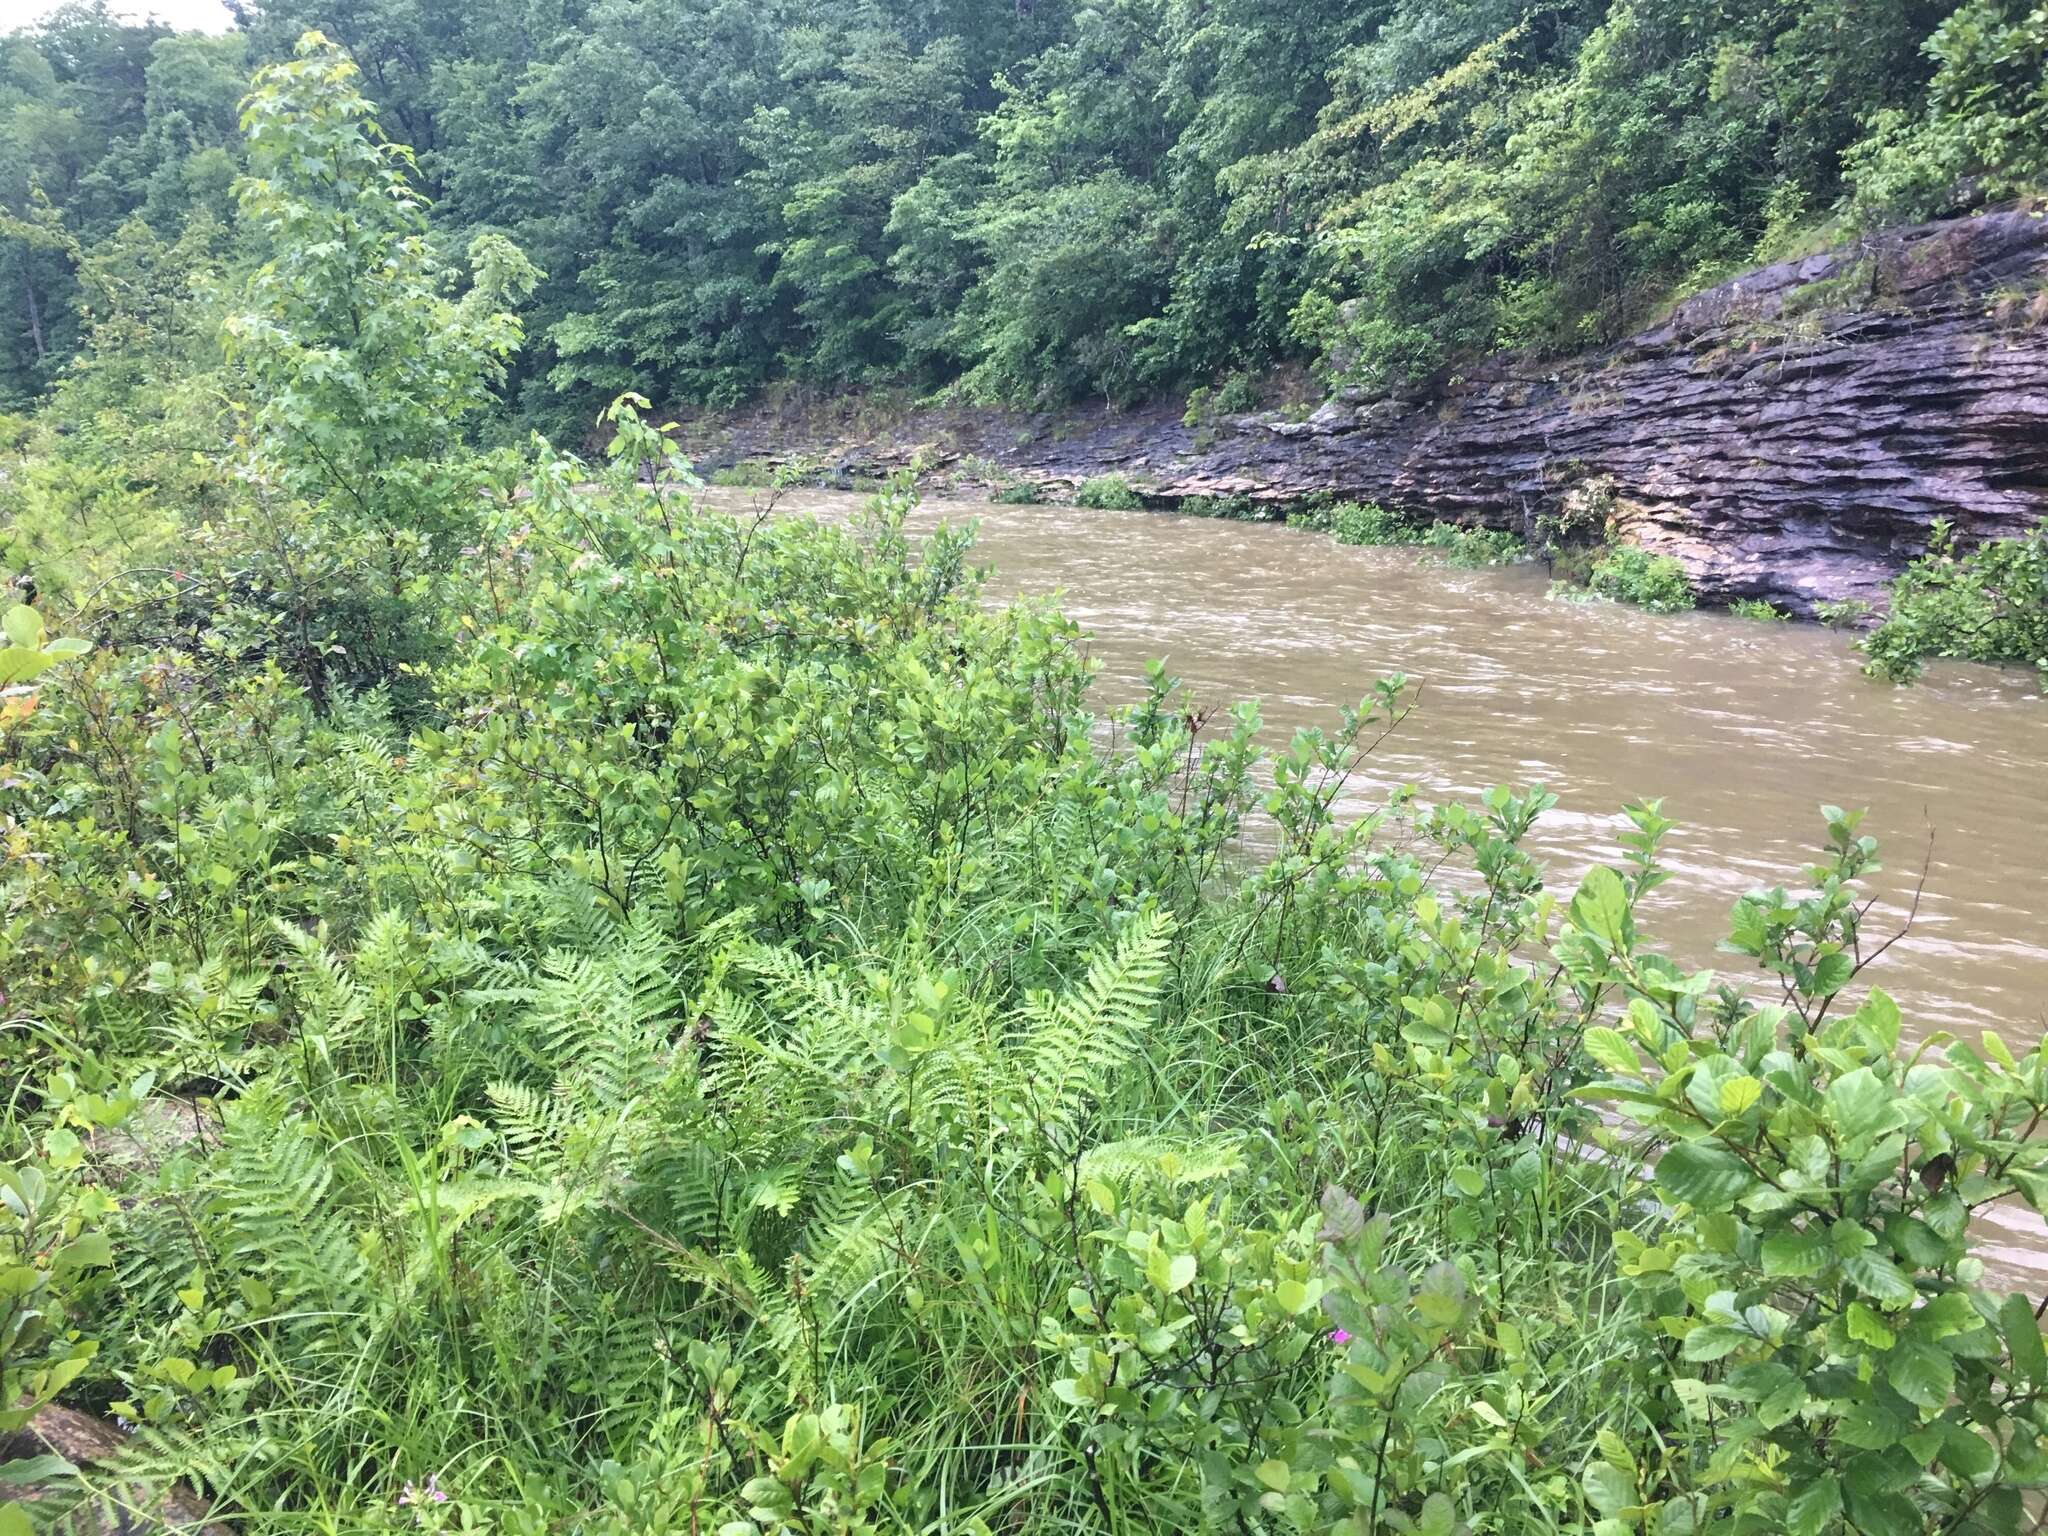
(1742, 728)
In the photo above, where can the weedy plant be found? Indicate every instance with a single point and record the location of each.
(1628, 573)
(1113, 493)
(1990, 604)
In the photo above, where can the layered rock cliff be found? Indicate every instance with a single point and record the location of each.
(1792, 434)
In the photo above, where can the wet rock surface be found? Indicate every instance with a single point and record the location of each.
(1792, 434)
(101, 1503)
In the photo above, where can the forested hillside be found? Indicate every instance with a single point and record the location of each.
(1039, 200)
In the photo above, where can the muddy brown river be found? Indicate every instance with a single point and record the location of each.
(1743, 729)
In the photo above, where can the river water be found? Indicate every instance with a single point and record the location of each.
(1743, 729)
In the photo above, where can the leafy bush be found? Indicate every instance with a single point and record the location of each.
(1111, 493)
(1628, 573)
(1759, 609)
(1473, 547)
(1847, 613)
(1369, 524)
(1236, 508)
(1983, 132)
(1022, 493)
(1990, 604)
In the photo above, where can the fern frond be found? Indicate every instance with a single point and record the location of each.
(1072, 1045)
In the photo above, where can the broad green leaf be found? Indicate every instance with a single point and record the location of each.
(1879, 1278)
(1610, 1048)
(1796, 1252)
(1866, 1327)
(1861, 1105)
(1922, 1374)
(1831, 973)
(23, 626)
(1439, 1516)
(1711, 1341)
(1608, 1489)
(1706, 1177)
(1275, 1474)
(1739, 1093)
(35, 1469)
(1965, 1452)
(1601, 906)
(2022, 1332)
(1812, 1506)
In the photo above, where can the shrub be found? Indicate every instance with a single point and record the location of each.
(1628, 573)
(1988, 605)
(1111, 493)
(1474, 547)
(1758, 609)
(1022, 493)
(1236, 508)
(1846, 613)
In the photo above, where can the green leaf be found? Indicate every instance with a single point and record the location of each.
(13, 1522)
(1180, 1274)
(1812, 1506)
(2023, 1340)
(93, 1250)
(1706, 1177)
(1861, 1105)
(1601, 906)
(1710, 1341)
(1879, 1278)
(1440, 1299)
(1965, 1452)
(1610, 1048)
(1922, 1374)
(1866, 1327)
(1608, 1489)
(23, 626)
(1470, 1181)
(1275, 1474)
(1796, 1252)
(35, 1469)
(1738, 1093)
(1831, 973)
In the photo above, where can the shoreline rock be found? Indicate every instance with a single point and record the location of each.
(1791, 435)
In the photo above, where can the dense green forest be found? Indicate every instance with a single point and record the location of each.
(535, 1007)
(1041, 200)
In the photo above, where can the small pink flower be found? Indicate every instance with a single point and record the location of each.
(431, 1494)
(1339, 1336)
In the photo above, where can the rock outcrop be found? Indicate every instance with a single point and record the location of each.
(1792, 435)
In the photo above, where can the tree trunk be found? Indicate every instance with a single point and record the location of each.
(35, 316)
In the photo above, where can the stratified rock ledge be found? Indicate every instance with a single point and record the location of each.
(1791, 435)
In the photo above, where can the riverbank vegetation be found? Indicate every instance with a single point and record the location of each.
(1046, 201)
(1990, 604)
(536, 1008)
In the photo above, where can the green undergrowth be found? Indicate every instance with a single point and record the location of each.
(1989, 604)
(1111, 493)
(748, 1059)
(1368, 523)
(539, 1008)
(1760, 610)
(1628, 573)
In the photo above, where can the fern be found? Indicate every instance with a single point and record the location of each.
(1070, 1046)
